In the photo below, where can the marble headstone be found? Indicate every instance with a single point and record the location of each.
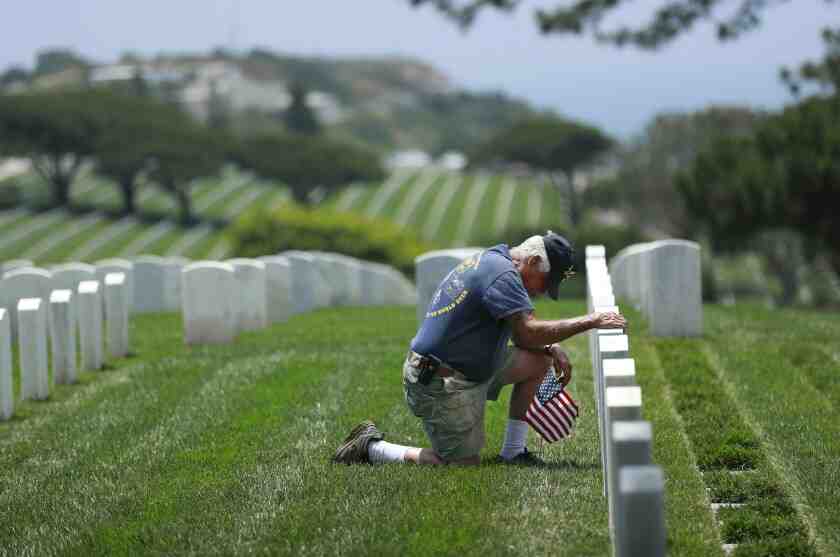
(63, 336)
(89, 306)
(209, 306)
(250, 293)
(32, 346)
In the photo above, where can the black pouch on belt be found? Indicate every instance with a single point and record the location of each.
(428, 367)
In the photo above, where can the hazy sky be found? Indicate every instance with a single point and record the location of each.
(619, 89)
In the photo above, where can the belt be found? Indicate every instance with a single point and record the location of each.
(424, 363)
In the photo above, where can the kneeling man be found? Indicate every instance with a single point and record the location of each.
(460, 357)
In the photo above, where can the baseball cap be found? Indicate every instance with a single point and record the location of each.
(561, 256)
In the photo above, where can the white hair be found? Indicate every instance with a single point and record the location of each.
(533, 246)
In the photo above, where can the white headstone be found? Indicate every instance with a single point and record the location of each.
(89, 307)
(373, 286)
(621, 404)
(116, 314)
(607, 346)
(673, 305)
(640, 526)
(123, 266)
(595, 252)
(309, 289)
(172, 282)
(250, 292)
(32, 345)
(67, 276)
(619, 372)
(150, 282)
(209, 306)
(330, 269)
(430, 270)
(63, 336)
(7, 395)
(278, 285)
(630, 445)
(26, 282)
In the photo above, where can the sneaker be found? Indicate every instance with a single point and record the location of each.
(355, 446)
(525, 458)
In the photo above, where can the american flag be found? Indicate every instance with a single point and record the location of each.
(553, 412)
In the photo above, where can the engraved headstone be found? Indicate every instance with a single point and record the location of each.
(621, 404)
(278, 285)
(673, 302)
(25, 282)
(123, 266)
(250, 294)
(640, 526)
(89, 307)
(32, 349)
(630, 445)
(63, 336)
(150, 282)
(116, 314)
(209, 318)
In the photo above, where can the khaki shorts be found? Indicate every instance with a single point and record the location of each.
(452, 409)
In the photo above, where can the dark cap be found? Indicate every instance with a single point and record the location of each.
(561, 257)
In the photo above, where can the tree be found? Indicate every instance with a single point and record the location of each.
(56, 130)
(58, 59)
(135, 128)
(644, 186)
(306, 164)
(299, 117)
(183, 152)
(666, 22)
(550, 144)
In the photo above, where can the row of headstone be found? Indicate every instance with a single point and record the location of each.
(634, 487)
(222, 299)
(662, 280)
(430, 269)
(55, 318)
(27, 281)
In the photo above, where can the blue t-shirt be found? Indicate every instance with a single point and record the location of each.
(465, 323)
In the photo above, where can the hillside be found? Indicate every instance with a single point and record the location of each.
(386, 103)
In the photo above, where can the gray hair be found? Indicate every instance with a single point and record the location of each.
(533, 246)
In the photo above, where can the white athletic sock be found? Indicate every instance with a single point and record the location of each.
(380, 452)
(515, 437)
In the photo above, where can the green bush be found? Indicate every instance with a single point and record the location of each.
(265, 232)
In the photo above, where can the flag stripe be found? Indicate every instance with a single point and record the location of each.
(553, 411)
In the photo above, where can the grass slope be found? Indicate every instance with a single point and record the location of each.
(225, 449)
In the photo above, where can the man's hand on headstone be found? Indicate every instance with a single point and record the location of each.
(610, 320)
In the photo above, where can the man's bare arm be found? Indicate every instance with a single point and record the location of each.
(530, 332)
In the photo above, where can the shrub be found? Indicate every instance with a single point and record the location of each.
(264, 232)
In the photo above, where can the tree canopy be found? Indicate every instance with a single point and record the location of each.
(550, 144)
(306, 163)
(663, 22)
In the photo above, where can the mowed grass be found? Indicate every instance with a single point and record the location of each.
(225, 450)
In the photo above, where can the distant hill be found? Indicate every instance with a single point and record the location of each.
(386, 103)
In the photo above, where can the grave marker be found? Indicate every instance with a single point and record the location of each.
(640, 526)
(124, 266)
(208, 317)
(150, 282)
(116, 314)
(63, 336)
(26, 282)
(32, 345)
(89, 307)
(278, 283)
(250, 294)
(631, 445)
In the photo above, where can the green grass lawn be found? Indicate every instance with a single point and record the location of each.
(225, 449)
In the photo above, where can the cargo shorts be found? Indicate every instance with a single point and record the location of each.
(452, 408)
